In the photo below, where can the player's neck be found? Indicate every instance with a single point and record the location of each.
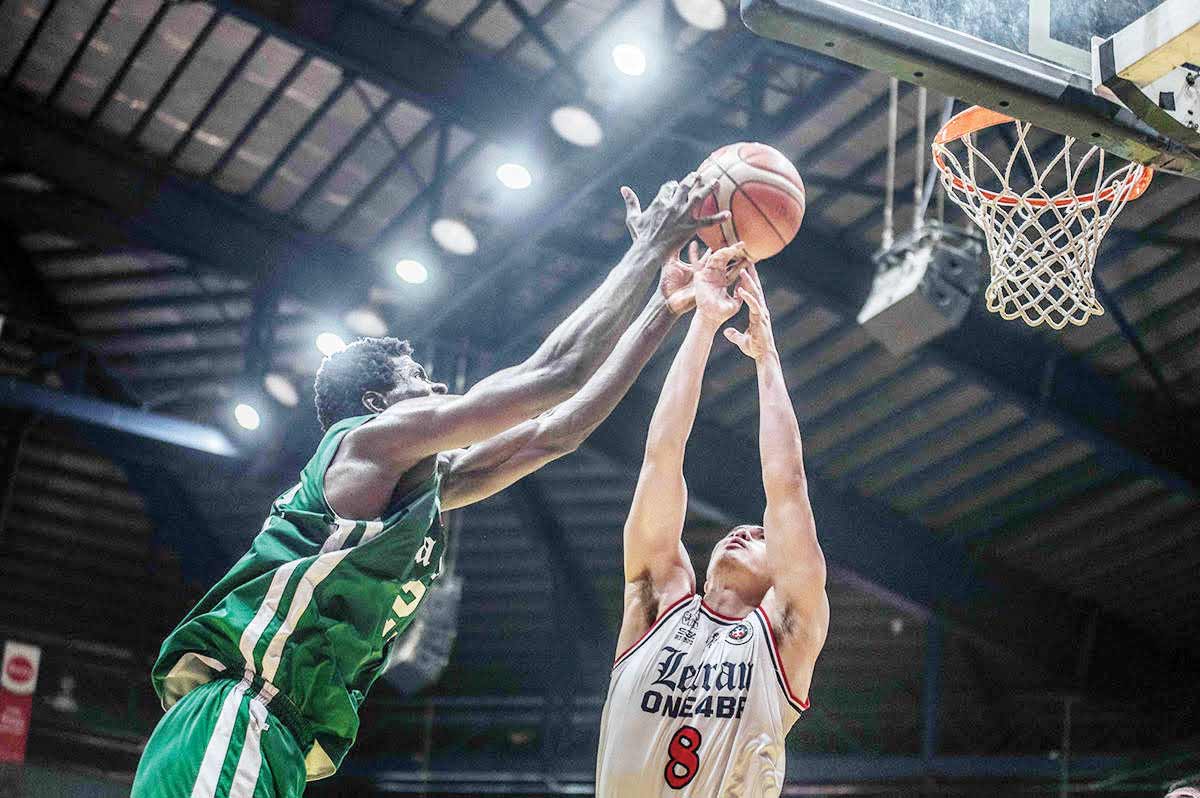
(726, 601)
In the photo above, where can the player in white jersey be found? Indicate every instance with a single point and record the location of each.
(705, 688)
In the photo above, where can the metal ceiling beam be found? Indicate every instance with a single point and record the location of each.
(117, 197)
(375, 41)
(21, 395)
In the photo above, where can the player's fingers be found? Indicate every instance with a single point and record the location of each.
(736, 338)
(694, 252)
(752, 270)
(751, 303)
(708, 221)
(699, 193)
(721, 257)
(686, 185)
(667, 190)
(632, 206)
(734, 271)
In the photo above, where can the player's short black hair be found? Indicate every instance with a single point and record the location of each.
(364, 365)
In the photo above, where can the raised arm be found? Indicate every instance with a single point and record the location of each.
(412, 430)
(657, 568)
(474, 473)
(796, 603)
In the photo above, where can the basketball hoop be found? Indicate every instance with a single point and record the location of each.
(1042, 240)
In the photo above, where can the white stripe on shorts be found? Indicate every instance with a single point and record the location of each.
(218, 744)
(250, 761)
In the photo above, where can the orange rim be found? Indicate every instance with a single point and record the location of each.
(977, 118)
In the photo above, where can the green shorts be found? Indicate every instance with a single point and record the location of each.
(220, 741)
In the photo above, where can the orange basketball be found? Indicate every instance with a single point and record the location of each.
(762, 190)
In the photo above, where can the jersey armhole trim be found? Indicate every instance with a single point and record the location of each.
(328, 461)
(777, 661)
(658, 622)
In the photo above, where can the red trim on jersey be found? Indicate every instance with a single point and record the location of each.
(775, 655)
(657, 621)
(729, 618)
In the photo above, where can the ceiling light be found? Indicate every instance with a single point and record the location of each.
(365, 321)
(281, 389)
(411, 271)
(246, 416)
(629, 58)
(514, 176)
(454, 236)
(703, 14)
(576, 126)
(330, 343)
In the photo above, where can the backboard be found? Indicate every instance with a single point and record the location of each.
(1030, 59)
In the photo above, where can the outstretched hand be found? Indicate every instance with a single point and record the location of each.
(679, 279)
(670, 220)
(714, 274)
(758, 341)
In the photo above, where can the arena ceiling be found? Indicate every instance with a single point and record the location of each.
(189, 192)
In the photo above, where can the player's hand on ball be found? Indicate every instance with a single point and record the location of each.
(758, 341)
(669, 221)
(714, 274)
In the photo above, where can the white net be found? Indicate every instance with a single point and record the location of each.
(1043, 234)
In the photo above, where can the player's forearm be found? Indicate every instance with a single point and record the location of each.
(569, 424)
(675, 412)
(780, 448)
(577, 347)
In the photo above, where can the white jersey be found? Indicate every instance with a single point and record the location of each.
(698, 707)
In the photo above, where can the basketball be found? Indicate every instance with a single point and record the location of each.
(763, 192)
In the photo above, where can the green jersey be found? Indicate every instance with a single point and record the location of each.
(309, 612)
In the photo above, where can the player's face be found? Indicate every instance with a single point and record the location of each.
(412, 381)
(741, 555)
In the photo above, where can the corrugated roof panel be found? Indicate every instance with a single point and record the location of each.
(449, 13)
(104, 54)
(270, 64)
(54, 45)
(372, 153)
(909, 386)
(496, 28)
(329, 135)
(167, 46)
(956, 467)
(1005, 479)
(211, 62)
(285, 119)
(922, 418)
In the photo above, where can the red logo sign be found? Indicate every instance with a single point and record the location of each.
(19, 669)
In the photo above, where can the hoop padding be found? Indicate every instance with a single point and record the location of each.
(1042, 241)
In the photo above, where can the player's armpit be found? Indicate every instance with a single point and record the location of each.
(645, 600)
(472, 474)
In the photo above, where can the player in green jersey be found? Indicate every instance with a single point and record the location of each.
(263, 679)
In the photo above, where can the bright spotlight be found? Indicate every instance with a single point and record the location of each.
(330, 343)
(411, 271)
(281, 389)
(576, 126)
(365, 321)
(629, 58)
(514, 176)
(454, 236)
(246, 416)
(703, 14)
